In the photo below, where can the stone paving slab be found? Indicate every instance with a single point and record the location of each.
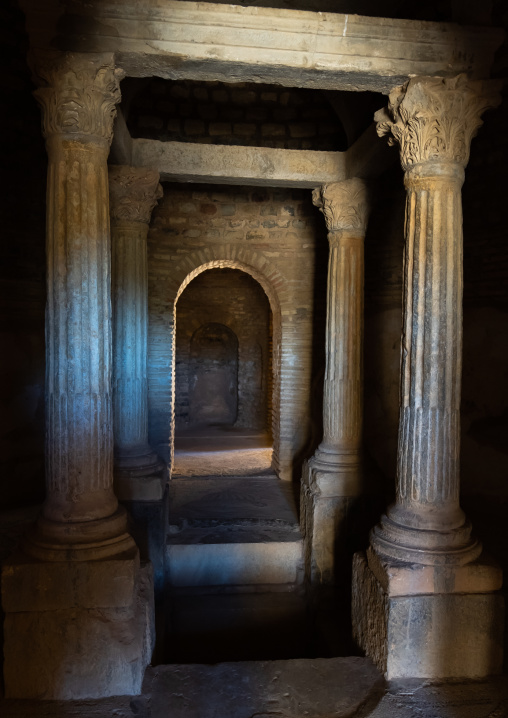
(295, 688)
(335, 688)
(196, 501)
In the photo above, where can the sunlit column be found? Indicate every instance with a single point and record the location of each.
(333, 476)
(433, 121)
(345, 206)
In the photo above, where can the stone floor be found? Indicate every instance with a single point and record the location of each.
(221, 451)
(331, 688)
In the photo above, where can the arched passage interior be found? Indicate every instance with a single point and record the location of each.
(223, 357)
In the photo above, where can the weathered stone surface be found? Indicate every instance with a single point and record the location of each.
(430, 598)
(335, 471)
(78, 352)
(29, 585)
(68, 654)
(433, 122)
(188, 162)
(319, 687)
(445, 634)
(306, 49)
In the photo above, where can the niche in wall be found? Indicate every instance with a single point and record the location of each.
(213, 375)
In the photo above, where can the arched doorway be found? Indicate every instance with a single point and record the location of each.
(223, 352)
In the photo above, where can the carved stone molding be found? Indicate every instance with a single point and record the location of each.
(78, 94)
(436, 119)
(133, 193)
(345, 205)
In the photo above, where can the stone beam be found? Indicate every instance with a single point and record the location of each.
(207, 41)
(221, 164)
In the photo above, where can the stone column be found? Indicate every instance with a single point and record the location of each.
(68, 610)
(334, 474)
(423, 547)
(133, 194)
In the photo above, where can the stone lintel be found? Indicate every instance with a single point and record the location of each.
(202, 41)
(29, 585)
(224, 164)
(411, 579)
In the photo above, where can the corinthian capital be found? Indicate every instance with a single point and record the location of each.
(133, 193)
(435, 119)
(78, 94)
(345, 205)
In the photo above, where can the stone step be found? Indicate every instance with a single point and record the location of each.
(302, 688)
(235, 556)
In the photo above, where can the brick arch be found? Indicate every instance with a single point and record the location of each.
(272, 283)
(231, 257)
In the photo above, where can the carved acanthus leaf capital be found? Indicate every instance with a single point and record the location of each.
(78, 94)
(133, 193)
(436, 119)
(345, 205)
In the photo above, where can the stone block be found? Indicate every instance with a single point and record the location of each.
(139, 488)
(77, 653)
(435, 636)
(32, 585)
(224, 564)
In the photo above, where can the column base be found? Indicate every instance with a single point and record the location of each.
(76, 630)
(139, 477)
(423, 621)
(329, 488)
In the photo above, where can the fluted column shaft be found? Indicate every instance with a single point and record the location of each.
(433, 120)
(133, 194)
(78, 95)
(345, 206)
(78, 334)
(342, 409)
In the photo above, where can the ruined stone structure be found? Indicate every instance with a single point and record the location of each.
(199, 155)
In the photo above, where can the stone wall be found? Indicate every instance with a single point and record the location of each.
(234, 300)
(270, 234)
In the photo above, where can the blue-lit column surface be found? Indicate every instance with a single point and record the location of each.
(78, 95)
(133, 195)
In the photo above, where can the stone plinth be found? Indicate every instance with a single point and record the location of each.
(429, 621)
(138, 469)
(79, 609)
(332, 478)
(77, 630)
(426, 604)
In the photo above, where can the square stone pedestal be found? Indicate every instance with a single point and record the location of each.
(432, 622)
(76, 629)
(327, 500)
